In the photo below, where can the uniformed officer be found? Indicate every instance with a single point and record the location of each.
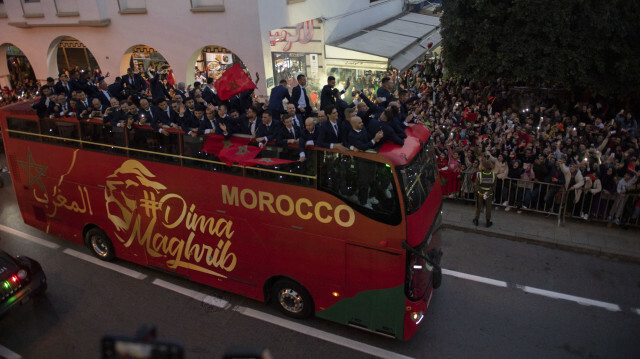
(485, 188)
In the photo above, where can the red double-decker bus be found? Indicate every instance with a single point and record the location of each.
(348, 236)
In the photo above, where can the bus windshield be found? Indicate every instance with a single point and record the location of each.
(417, 178)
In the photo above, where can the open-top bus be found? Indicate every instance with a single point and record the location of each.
(265, 226)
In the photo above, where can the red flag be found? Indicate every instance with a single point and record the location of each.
(265, 161)
(170, 79)
(238, 153)
(215, 143)
(233, 81)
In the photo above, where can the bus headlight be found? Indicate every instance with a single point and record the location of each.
(417, 317)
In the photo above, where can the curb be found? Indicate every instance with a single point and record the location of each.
(543, 243)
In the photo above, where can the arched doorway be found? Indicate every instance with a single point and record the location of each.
(16, 66)
(142, 58)
(72, 54)
(211, 61)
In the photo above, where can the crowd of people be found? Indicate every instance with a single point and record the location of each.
(550, 153)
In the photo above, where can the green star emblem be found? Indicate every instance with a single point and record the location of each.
(227, 143)
(30, 167)
(266, 160)
(443, 181)
(242, 150)
(233, 86)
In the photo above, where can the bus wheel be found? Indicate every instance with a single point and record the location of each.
(292, 299)
(100, 245)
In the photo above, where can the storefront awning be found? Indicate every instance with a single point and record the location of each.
(399, 41)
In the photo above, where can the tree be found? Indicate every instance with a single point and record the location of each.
(573, 43)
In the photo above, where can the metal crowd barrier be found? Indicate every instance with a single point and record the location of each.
(555, 200)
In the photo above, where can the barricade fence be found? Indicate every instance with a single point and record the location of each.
(549, 199)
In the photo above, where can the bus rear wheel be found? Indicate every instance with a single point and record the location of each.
(100, 244)
(293, 299)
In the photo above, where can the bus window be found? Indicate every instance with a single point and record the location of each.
(23, 125)
(291, 172)
(365, 185)
(60, 129)
(417, 178)
(148, 144)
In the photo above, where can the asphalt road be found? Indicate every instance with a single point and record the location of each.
(499, 299)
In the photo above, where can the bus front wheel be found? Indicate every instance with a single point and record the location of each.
(293, 299)
(100, 244)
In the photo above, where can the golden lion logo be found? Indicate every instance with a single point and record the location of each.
(131, 179)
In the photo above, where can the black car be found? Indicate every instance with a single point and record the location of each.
(20, 278)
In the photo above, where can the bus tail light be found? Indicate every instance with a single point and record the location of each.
(417, 317)
(335, 294)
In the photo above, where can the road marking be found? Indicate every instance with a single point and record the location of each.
(580, 300)
(8, 354)
(108, 265)
(336, 339)
(201, 297)
(29, 237)
(475, 278)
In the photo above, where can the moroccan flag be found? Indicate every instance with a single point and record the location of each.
(266, 161)
(238, 153)
(171, 80)
(233, 81)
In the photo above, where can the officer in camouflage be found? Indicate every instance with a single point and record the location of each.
(485, 189)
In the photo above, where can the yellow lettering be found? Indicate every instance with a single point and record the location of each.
(254, 199)
(167, 210)
(266, 199)
(299, 203)
(230, 197)
(320, 205)
(351, 218)
(279, 200)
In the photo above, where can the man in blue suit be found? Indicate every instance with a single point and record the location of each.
(268, 130)
(278, 94)
(384, 92)
(133, 81)
(330, 135)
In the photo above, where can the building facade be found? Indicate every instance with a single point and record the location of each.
(273, 38)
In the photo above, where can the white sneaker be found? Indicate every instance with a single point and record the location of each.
(507, 209)
(368, 205)
(387, 193)
(505, 203)
(523, 206)
(373, 200)
(586, 216)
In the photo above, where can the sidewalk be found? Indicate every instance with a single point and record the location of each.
(577, 236)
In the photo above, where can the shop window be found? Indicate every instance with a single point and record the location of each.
(66, 8)
(287, 65)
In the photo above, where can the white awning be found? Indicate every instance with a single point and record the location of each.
(399, 41)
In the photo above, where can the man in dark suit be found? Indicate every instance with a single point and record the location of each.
(62, 86)
(42, 106)
(383, 124)
(248, 123)
(327, 96)
(330, 135)
(116, 88)
(83, 110)
(278, 94)
(158, 89)
(298, 118)
(358, 140)
(209, 95)
(212, 124)
(384, 92)
(269, 129)
(300, 99)
(164, 117)
(241, 101)
(181, 91)
(308, 136)
(289, 133)
(103, 94)
(133, 81)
